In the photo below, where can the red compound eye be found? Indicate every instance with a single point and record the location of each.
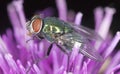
(37, 24)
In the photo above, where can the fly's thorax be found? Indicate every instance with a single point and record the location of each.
(54, 28)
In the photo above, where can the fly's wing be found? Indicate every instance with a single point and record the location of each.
(86, 32)
(67, 41)
(88, 50)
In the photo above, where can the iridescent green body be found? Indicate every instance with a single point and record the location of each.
(53, 28)
(65, 35)
(61, 33)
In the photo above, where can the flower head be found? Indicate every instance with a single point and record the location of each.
(19, 57)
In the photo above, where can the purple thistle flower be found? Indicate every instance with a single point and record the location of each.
(19, 57)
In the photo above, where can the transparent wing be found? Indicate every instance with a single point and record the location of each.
(67, 41)
(88, 50)
(86, 32)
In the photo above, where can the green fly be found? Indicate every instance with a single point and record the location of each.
(65, 35)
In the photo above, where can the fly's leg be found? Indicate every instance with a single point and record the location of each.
(39, 37)
(29, 40)
(34, 37)
(49, 49)
(37, 61)
(68, 54)
(62, 49)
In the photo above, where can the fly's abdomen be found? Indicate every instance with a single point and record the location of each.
(67, 41)
(51, 31)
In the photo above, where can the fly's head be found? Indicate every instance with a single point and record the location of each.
(34, 26)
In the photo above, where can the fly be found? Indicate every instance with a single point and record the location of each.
(64, 35)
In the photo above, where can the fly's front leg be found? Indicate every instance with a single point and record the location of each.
(33, 38)
(39, 37)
